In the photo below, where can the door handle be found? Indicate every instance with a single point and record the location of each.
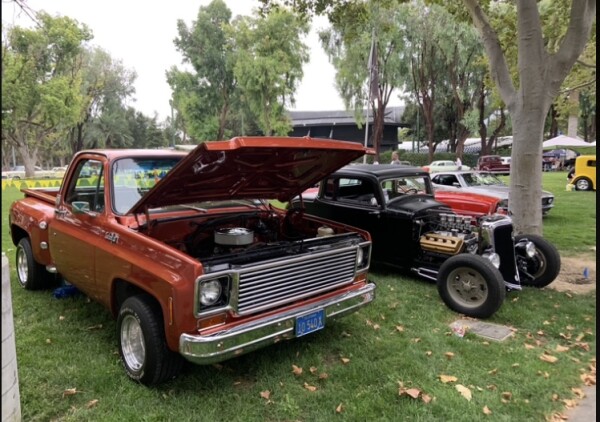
(61, 211)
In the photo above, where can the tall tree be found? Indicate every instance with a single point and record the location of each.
(104, 80)
(370, 32)
(41, 84)
(270, 54)
(528, 95)
(540, 75)
(204, 95)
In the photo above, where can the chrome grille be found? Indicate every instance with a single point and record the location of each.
(286, 280)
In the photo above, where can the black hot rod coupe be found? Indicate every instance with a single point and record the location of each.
(474, 260)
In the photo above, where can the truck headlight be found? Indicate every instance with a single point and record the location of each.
(362, 257)
(210, 292)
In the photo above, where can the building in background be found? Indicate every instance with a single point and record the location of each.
(341, 125)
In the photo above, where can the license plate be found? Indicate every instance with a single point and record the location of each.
(310, 323)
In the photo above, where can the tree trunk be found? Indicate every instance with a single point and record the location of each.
(573, 114)
(526, 171)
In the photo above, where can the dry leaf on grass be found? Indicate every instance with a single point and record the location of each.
(339, 409)
(448, 378)
(399, 328)
(323, 376)
(312, 369)
(345, 360)
(560, 348)
(311, 388)
(570, 403)
(296, 370)
(506, 395)
(265, 394)
(449, 355)
(70, 392)
(486, 410)
(91, 403)
(464, 391)
(428, 353)
(411, 392)
(94, 327)
(548, 358)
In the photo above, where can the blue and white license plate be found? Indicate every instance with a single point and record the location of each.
(310, 323)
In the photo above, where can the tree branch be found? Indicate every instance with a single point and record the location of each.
(498, 66)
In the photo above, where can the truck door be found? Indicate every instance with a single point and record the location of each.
(75, 232)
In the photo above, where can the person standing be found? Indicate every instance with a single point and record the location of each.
(459, 163)
(395, 158)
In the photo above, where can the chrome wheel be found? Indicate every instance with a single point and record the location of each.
(583, 184)
(22, 266)
(132, 343)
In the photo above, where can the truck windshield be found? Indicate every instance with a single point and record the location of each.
(134, 177)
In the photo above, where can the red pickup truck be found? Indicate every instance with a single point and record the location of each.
(188, 254)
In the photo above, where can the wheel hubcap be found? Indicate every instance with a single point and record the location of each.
(467, 287)
(132, 343)
(22, 266)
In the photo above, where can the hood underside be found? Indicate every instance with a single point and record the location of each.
(250, 168)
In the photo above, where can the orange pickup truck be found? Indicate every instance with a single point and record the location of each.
(188, 254)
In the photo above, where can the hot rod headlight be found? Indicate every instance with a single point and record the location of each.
(210, 292)
(530, 249)
(493, 257)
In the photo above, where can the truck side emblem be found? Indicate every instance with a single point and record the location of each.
(112, 237)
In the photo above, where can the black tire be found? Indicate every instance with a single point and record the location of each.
(583, 184)
(543, 268)
(142, 344)
(30, 274)
(471, 285)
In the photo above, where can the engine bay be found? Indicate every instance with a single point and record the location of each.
(225, 240)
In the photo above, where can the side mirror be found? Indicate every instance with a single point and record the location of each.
(81, 207)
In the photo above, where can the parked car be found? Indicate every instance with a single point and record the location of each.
(59, 172)
(505, 160)
(18, 172)
(492, 164)
(483, 183)
(444, 165)
(584, 176)
(470, 203)
(474, 260)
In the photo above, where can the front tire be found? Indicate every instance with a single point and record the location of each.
(30, 274)
(541, 269)
(142, 344)
(471, 285)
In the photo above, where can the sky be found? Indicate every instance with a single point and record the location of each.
(141, 34)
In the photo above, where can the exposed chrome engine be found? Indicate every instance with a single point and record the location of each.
(452, 234)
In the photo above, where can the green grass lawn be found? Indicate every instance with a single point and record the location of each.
(358, 364)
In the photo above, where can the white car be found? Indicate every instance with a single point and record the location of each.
(444, 165)
(18, 172)
(482, 183)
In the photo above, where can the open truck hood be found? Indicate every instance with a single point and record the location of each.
(250, 168)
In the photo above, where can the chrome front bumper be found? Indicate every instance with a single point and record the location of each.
(245, 338)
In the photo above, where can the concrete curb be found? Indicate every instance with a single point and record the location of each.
(585, 411)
